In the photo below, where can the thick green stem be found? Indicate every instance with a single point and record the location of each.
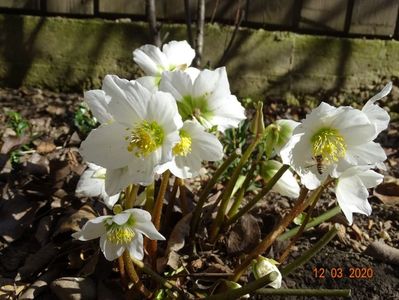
(215, 227)
(259, 196)
(305, 257)
(316, 221)
(305, 292)
(205, 193)
(249, 288)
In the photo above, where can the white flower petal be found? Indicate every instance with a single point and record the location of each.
(110, 201)
(150, 59)
(98, 103)
(193, 73)
(149, 82)
(117, 180)
(136, 246)
(111, 251)
(142, 170)
(377, 115)
(129, 104)
(352, 196)
(92, 229)
(106, 146)
(365, 154)
(88, 185)
(178, 53)
(143, 224)
(121, 218)
(287, 185)
(354, 126)
(177, 83)
(213, 83)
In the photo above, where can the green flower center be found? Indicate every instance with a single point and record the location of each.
(184, 146)
(120, 234)
(328, 144)
(145, 138)
(190, 107)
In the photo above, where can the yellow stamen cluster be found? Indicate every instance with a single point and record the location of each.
(145, 138)
(120, 234)
(184, 146)
(328, 144)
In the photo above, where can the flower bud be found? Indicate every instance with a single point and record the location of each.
(264, 266)
(287, 185)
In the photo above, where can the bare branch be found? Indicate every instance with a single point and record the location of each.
(200, 31)
(152, 21)
(187, 11)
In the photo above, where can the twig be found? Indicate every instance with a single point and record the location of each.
(200, 31)
(215, 8)
(152, 22)
(237, 23)
(187, 11)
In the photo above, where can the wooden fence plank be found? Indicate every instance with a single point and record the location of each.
(84, 7)
(23, 4)
(275, 12)
(323, 15)
(174, 9)
(225, 10)
(374, 17)
(122, 7)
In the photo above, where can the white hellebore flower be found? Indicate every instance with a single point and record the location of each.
(123, 231)
(329, 141)
(92, 184)
(207, 98)
(287, 185)
(174, 56)
(195, 146)
(144, 130)
(351, 190)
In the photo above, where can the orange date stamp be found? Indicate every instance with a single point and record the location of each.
(349, 272)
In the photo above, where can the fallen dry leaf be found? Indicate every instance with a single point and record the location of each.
(388, 191)
(13, 142)
(75, 220)
(45, 147)
(244, 235)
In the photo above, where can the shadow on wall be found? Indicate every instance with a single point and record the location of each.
(20, 52)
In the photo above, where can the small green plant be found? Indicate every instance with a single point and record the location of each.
(83, 120)
(17, 122)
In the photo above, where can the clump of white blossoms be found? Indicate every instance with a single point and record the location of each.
(333, 139)
(123, 231)
(144, 128)
(206, 99)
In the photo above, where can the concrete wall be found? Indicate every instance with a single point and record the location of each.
(74, 54)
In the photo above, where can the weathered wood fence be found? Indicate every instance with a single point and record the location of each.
(337, 17)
